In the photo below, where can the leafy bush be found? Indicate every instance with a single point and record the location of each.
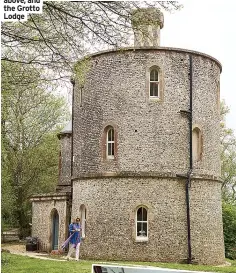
(229, 223)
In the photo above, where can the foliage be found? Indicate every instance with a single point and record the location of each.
(30, 120)
(66, 31)
(21, 264)
(228, 176)
(228, 159)
(8, 199)
(229, 222)
(81, 68)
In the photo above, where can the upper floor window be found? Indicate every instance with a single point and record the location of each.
(110, 144)
(154, 83)
(197, 144)
(142, 224)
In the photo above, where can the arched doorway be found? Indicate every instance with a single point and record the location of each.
(55, 229)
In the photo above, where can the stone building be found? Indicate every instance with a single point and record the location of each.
(140, 162)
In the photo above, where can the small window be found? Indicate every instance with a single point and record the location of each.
(154, 83)
(110, 143)
(197, 144)
(83, 220)
(141, 224)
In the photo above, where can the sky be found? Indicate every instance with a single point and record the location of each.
(208, 27)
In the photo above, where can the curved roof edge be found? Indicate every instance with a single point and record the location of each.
(66, 130)
(180, 50)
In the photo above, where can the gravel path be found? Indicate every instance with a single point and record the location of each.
(20, 249)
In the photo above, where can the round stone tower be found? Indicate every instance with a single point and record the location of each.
(146, 152)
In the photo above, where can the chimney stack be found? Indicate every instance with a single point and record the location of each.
(146, 23)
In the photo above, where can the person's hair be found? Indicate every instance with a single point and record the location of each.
(74, 219)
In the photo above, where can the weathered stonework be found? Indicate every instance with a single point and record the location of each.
(152, 135)
(65, 171)
(65, 137)
(146, 24)
(110, 222)
(153, 143)
(43, 207)
(151, 157)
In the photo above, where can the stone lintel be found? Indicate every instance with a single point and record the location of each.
(53, 196)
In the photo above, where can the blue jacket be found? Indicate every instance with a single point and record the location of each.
(75, 239)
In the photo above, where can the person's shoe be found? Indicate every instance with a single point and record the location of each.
(68, 258)
(77, 260)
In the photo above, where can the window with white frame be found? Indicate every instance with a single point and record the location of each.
(141, 224)
(154, 83)
(110, 143)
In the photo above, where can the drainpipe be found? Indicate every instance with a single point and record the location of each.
(72, 137)
(188, 182)
(188, 177)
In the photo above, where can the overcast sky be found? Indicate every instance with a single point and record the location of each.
(209, 27)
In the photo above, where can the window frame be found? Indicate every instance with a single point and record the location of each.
(104, 147)
(83, 215)
(155, 82)
(111, 142)
(198, 157)
(140, 238)
(159, 69)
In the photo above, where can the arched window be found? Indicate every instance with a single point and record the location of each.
(154, 83)
(83, 219)
(141, 224)
(110, 143)
(197, 144)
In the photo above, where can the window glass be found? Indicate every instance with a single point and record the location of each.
(154, 89)
(154, 83)
(141, 223)
(110, 143)
(154, 75)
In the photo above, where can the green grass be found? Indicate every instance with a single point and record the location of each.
(21, 264)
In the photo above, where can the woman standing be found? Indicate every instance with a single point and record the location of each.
(74, 229)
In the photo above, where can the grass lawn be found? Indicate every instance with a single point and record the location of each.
(21, 264)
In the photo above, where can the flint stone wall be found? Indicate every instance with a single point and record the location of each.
(110, 222)
(65, 172)
(152, 135)
(42, 211)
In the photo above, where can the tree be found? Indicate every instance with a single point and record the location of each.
(30, 120)
(66, 31)
(228, 176)
(228, 159)
(229, 222)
